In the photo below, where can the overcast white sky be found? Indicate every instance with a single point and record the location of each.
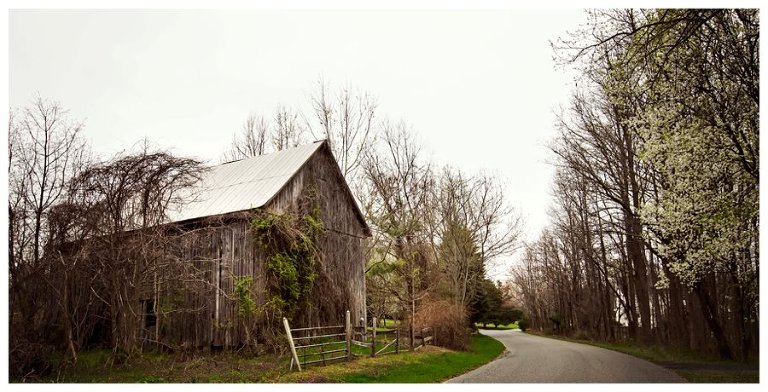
(479, 87)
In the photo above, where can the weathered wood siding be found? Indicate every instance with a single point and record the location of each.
(207, 315)
(224, 250)
(341, 285)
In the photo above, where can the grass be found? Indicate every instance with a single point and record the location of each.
(313, 353)
(692, 366)
(429, 364)
(161, 368)
(714, 376)
(498, 327)
(388, 324)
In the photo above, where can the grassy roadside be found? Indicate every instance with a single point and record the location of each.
(498, 327)
(428, 365)
(431, 365)
(167, 368)
(690, 365)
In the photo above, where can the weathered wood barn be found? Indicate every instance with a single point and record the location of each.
(223, 245)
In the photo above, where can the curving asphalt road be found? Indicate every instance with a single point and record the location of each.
(534, 359)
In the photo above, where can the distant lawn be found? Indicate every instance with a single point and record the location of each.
(692, 366)
(427, 365)
(498, 327)
(388, 324)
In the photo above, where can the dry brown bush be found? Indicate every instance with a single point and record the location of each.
(448, 322)
(29, 360)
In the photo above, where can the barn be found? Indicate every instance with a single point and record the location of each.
(221, 244)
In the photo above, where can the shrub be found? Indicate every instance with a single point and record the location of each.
(448, 322)
(524, 323)
(29, 360)
(581, 335)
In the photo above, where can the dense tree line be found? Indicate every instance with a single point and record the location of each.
(655, 223)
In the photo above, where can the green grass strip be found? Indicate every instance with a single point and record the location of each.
(411, 367)
(429, 365)
(500, 327)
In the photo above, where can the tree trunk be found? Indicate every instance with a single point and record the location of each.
(68, 318)
(639, 274)
(710, 316)
(677, 314)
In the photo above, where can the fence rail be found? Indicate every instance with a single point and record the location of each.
(425, 336)
(314, 346)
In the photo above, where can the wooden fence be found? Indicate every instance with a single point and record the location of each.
(423, 337)
(382, 341)
(317, 345)
(321, 345)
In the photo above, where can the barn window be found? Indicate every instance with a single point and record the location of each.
(150, 319)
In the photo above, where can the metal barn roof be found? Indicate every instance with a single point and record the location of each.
(243, 185)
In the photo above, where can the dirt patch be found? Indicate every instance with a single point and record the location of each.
(434, 349)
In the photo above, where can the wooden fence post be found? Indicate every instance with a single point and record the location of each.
(348, 330)
(397, 342)
(365, 330)
(373, 338)
(290, 343)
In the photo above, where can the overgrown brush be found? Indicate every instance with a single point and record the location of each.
(448, 322)
(30, 360)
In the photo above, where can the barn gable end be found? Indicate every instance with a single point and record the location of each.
(345, 229)
(223, 247)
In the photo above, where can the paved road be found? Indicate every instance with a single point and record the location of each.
(533, 359)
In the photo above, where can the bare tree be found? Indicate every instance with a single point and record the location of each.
(598, 143)
(46, 151)
(399, 191)
(497, 225)
(347, 120)
(473, 226)
(251, 142)
(287, 132)
(18, 233)
(113, 247)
